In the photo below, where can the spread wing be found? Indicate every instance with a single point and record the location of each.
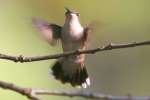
(89, 32)
(85, 37)
(50, 32)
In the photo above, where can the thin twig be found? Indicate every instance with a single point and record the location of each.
(110, 46)
(24, 91)
(32, 93)
(89, 95)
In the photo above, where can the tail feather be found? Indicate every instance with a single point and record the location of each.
(57, 70)
(79, 78)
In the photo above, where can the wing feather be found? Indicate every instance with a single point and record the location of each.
(50, 32)
(85, 37)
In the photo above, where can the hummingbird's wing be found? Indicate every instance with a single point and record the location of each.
(85, 37)
(50, 32)
(89, 32)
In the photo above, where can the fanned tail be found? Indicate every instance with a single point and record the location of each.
(78, 78)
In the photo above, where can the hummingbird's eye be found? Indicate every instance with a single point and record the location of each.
(66, 13)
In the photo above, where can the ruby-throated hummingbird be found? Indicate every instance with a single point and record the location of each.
(70, 69)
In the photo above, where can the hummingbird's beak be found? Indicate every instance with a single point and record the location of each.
(68, 10)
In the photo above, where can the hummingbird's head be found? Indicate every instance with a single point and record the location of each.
(71, 14)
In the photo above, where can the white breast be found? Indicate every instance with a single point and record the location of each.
(72, 29)
(72, 33)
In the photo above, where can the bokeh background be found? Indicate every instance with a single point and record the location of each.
(116, 72)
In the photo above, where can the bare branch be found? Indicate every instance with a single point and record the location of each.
(110, 46)
(24, 91)
(32, 93)
(89, 95)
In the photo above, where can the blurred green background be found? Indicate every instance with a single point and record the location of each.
(116, 72)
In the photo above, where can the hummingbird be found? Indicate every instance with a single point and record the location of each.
(73, 36)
